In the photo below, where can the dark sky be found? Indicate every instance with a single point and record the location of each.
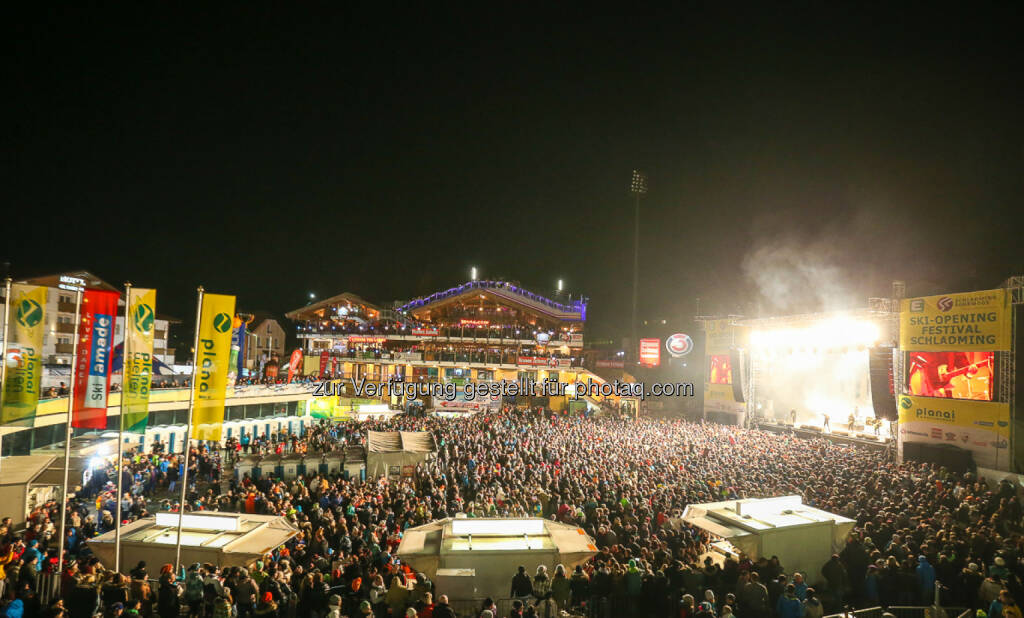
(795, 159)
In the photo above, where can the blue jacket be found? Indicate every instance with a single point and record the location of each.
(15, 610)
(925, 575)
(789, 607)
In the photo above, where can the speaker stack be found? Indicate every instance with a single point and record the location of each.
(883, 394)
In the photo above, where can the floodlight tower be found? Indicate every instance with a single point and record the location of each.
(638, 187)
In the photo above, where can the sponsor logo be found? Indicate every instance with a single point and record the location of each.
(29, 313)
(906, 403)
(937, 433)
(679, 344)
(984, 423)
(950, 436)
(917, 305)
(936, 415)
(944, 304)
(222, 322)
(143, 318)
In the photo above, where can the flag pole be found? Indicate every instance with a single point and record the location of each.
(3, 354)
(188, 431)
(120, 425)
(67, 435)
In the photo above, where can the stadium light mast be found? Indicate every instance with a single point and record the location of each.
(638, 187)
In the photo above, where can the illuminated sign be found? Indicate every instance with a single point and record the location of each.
(679, 345)
(424, 332)
(465, 322)
(502, 527)
(366, 339)
(199, 522)
(650, 352)
(71, 284)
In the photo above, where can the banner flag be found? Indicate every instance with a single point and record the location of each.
(24, 360)
(324, 356)
(92, 363)
(138, 370)
(213, 365)
(241, 334)
(295, 365)
(237, 335)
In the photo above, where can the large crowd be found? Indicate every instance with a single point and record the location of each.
(624, 481)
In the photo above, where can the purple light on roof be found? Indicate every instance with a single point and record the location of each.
(579, 306)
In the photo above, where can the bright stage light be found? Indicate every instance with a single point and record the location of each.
(835, 333)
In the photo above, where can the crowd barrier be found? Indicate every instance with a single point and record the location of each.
(903, 611)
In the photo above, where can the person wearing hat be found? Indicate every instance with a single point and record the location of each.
(704, 610)
(267, 608)
(443, 610)
(333, 606)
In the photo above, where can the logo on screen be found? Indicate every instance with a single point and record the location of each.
(945, 303)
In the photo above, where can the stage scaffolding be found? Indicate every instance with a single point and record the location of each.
(1006, 362)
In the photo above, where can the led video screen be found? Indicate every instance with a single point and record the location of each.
(720, 369)
(951, 375)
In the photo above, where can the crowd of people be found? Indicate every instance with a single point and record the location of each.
(624, 481)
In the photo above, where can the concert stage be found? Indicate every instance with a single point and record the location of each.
(839, 437)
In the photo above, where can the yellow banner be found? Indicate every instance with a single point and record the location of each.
(24, 368)
(213, 359)
(981, 427)
(720, 335)
(968, 322)
(138, 360)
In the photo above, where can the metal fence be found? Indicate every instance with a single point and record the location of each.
(904, 611)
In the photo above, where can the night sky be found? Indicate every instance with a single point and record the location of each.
(796, 160)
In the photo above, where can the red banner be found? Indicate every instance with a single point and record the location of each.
(92, 359)
(294, 365)
(324, 355)
(650, 352)
(424, 332)
(334, 367)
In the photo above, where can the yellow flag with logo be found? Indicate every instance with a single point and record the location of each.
(213, 360)
(138, 361)
(24, 363)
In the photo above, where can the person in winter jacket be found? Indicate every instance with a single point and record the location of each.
(15, 609)
(579, 586)
(800, 586)
(541, 583)
(789, 606)
(835, 574)
(561, 589)
(925, 580)
(812, 605)
(521, 584)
